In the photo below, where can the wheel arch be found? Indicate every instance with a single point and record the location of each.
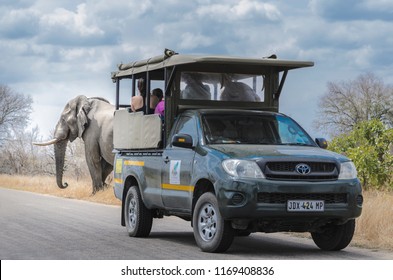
(130, 181)
(201, 187)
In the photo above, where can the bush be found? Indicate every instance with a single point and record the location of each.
(369, 146)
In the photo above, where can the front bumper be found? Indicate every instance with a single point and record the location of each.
(264, 203)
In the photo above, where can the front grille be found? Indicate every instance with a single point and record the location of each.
(278, 198)
(290, 166)
(301, 177)
(287, 170)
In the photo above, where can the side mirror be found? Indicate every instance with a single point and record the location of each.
(182, 140)
(321, 142)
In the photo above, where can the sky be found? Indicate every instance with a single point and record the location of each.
(54, 50)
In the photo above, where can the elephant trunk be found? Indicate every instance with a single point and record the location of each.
(60, 149)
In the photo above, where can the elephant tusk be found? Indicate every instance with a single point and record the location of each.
(50, 142)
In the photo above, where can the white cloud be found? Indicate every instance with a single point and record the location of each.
(245, 8)
(191, 41)
(242, 10)
(18, 23)
(378, 5)
(68, 24)
(353, 9)
(75, 22)
(361, 57)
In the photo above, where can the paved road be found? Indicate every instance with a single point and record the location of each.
(34, 226)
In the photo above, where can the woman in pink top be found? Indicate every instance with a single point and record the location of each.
(156, 102)
(160, 108)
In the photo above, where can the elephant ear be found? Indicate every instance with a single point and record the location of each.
(82, 119)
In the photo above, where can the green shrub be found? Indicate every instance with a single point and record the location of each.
(369, 146)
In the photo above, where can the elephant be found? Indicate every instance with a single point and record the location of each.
(92, 120)
(237, 91)
(195, 89)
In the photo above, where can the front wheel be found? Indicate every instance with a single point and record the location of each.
(334, 237)
(211, 232)
(138, 218)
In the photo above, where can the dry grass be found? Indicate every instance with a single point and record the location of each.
(374, 228)
(47, 185)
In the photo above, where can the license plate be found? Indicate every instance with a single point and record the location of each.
(305, 206)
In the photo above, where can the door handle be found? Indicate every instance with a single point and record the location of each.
(166, 160)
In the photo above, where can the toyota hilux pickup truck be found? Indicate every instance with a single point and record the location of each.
(223, 157)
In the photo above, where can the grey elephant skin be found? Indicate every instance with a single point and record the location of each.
(92, 120)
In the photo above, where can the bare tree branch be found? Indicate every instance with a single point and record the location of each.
(345, 104)
(15, 109)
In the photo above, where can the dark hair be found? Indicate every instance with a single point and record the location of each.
(158, 92)
(142, 86)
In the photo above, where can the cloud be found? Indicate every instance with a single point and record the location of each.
(353, 9)
(247, 10)
(20, 23)
(78, 28)
(192, 41)
(384, 6)
(75, 21)
(55, 50)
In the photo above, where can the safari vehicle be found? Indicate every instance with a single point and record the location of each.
(224, 158)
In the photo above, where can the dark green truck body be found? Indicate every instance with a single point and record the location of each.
(233, 168)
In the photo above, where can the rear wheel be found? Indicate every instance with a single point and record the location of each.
(334, 237)
(138, 218)
(211, 232)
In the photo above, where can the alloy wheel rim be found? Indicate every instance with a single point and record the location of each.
(132, 212)
(207, 222)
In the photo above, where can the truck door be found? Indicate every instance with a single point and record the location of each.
(177, 168)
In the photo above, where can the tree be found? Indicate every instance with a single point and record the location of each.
(15, 109)
(346, 104)
(19, 156)
(369, 146)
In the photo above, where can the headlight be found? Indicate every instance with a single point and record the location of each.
(242, 168)
(348, 171)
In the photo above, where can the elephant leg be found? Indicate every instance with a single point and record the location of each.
(106, 170)
(93, 159)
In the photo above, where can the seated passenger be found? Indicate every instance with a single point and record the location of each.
(155, 99)
(237, 91)
(138, 101)
(160, 109)
(195, 89)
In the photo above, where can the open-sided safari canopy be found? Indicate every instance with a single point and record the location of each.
(207, 81)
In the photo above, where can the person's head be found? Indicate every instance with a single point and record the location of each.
(158, 92)
(142, 86)
(155, 97)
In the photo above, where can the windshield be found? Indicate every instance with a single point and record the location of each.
(221, 86)
(253, 129)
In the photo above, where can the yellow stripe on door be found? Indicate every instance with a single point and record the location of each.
(118, 180)
(134, 162)
(178, 187)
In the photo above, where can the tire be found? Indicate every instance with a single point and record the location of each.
(138, 218)
(334, 237)
(211, 232)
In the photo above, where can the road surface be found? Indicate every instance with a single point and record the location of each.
(35, 226)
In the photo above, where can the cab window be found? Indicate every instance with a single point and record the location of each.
(187, 125)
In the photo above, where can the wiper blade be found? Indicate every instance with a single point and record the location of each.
(298, 144)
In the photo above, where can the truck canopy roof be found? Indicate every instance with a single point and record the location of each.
(206, 81)
(209, 62)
